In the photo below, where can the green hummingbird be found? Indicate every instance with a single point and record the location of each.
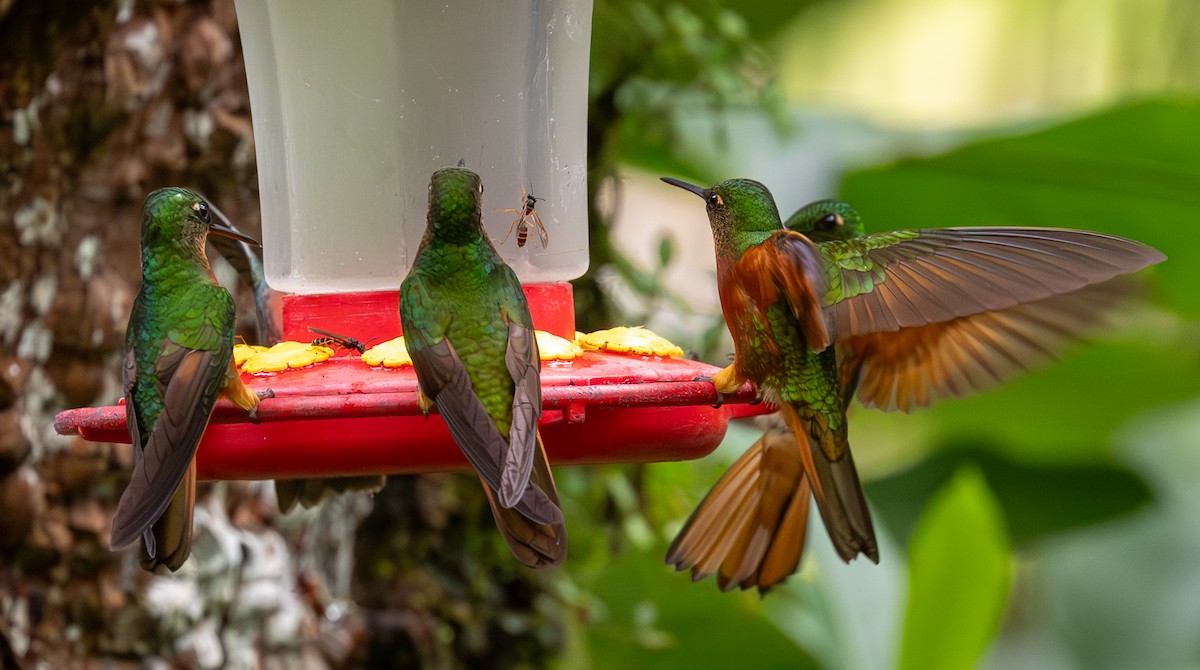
(821, 311)
(178, 359)
(467, 327)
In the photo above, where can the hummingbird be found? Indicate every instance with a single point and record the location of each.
(178, 359)
(818, 311)
(467, 326)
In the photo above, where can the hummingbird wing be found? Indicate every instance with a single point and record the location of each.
(444, 378)
(904, 279)
(524, 365)
(913, 367)
(783, 269)
(188, 381)
(751, 526)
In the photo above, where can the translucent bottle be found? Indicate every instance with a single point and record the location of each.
(356, 105)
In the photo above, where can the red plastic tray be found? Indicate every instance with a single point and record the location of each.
(342, 417)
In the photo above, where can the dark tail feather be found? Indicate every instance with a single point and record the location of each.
(838, 493)
(172, 533)
(534, 529)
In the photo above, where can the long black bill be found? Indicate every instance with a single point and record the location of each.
(226, 229)
(685, 186)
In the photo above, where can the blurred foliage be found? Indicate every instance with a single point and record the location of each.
(655, 66)
(439, 585)
(1029, 464)
(1038, 501)
(959, 577)
(938, 64)
(650, 619)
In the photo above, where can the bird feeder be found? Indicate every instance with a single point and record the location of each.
(353, 110)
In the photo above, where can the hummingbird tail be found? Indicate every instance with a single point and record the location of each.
(534, 528)
(172, 533)
(837, 490)
(751, 526)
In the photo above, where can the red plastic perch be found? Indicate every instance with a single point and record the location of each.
(341, 417)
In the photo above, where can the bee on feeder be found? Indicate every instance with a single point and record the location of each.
(527, 219)
(329, 339)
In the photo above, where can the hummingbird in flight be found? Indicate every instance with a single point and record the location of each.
(818, 311)
(178, 360)
(467, 327)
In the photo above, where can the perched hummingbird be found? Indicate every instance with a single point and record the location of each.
(178, 359)
(467, 327)
(902, 317)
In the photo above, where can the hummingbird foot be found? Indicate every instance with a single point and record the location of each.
(720, 396)
(253, 413)
(424, 403)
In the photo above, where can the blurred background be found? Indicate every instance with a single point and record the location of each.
(1050, 523)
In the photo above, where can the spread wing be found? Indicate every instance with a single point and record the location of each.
(913, 367)
(905, 279)
(188, 381)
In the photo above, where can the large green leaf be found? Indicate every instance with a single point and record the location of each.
(959, 577)
(1037, 500)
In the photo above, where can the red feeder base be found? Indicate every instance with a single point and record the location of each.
(342, 417)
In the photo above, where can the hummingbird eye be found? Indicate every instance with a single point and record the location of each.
(715, 200)
(830, 222)
(201, 210)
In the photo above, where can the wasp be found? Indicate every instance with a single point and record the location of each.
(333, 339)
(527, 219)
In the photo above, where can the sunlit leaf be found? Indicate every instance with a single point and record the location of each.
(959, 577)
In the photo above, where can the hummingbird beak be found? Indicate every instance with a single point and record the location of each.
(685, 186)
(218, 229)
(227, 230)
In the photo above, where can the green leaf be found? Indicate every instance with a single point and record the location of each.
(959, 577)
(654, 618)
(1038, 500)
(666, 250)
